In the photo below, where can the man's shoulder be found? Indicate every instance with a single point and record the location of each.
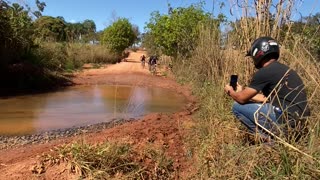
(273, 67)
(274, 70)
(278, 64)
(266, 71)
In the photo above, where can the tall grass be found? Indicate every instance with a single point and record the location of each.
(219, 141)
(71, 56)
(91, 54)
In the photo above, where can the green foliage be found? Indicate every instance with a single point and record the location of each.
(89, 28)
(51, 56)
(148, 42)
(30, 46)
(49, 29)
(15, 32)
(137, 34)
(40, 6)
(81, 32)
(177, 32)
(307, 31)
(63, 56)
(119, 36)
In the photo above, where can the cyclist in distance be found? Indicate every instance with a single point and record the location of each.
(143, 61)
(153, 63)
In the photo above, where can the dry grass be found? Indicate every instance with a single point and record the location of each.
(220, 143)
(110, 161)
(87, 53)
(71, 56)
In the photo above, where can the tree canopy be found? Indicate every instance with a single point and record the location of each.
(120, 35)
(15, 32)
(50, 29)
(57, 29)
(308, 29)
(177, 31)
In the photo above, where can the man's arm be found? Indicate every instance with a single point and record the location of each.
(259, 98)
(242, 96)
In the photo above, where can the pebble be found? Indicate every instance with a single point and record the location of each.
(44, 137)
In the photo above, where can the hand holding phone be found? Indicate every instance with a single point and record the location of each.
(234, 81)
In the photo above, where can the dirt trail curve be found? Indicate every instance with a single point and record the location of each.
(165, 130)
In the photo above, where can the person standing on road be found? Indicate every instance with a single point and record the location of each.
(287, 105)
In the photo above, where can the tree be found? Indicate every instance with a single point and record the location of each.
(74, 31)
(89, 28)
(148, 42)
(50, 29)
(177, 32)
(309, 31)
(137, 33)
(40, 6)
(119, 35)
(15, 32)
(81, 32)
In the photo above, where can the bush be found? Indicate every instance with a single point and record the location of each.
(86, 53)
(52, 56)
(62, 56)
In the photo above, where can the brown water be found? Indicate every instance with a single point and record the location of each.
(83, 105)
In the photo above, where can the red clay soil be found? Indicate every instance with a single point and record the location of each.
(163, 130)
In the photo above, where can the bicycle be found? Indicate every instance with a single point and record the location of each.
(153, 69)
(143, 60)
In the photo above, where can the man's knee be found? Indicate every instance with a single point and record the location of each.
(236, 108)
(247, 110)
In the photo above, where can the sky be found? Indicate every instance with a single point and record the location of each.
(103, 12)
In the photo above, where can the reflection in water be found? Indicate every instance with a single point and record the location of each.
(78, 106)
(136, 103)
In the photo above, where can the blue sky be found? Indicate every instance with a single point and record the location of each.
(102, 12)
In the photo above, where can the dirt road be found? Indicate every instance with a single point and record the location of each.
(165, 130)
(128, 66)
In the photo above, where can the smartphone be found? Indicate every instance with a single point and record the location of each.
(233, 81)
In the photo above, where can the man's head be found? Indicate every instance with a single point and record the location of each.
(262, 50)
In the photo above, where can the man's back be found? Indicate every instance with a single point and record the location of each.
(290, 92)
(154, 60)
(143, 58)
(150, 59)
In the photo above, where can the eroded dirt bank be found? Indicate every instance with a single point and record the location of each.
(161, 130)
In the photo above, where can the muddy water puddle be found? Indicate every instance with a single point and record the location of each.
(81, 106)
